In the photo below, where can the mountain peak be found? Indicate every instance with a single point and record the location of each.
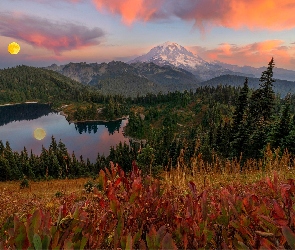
(170, 44)
(173, 54)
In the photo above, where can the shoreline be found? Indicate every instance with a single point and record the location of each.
(11, 104)
(117, 119)
(61, 112)
(133, 139)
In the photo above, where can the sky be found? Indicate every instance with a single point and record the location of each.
(241, 32)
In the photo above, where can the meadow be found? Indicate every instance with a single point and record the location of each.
(211, 206)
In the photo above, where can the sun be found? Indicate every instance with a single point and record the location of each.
(39, 133)
(13, 48)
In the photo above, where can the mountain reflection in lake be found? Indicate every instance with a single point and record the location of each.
(19, 112)
(18, 122)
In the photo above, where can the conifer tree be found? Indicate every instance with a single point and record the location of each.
(241, 106)
(267, 93)
(239, 128)
(290, 138)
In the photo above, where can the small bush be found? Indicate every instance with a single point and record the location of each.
(58, 194)
(99, 186)
(24, 183)
(89, 186)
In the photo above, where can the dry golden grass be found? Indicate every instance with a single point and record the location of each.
(38, 195)
(225, 172)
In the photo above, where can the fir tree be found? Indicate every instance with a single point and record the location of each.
(240, 131)
(267, 93)
(241, 106)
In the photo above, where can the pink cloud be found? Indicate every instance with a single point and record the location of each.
(255, 54)
(39, 32)
(131, 10)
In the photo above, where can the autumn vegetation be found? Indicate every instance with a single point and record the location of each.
(180, 210)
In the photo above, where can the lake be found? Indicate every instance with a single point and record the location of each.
(19, 122)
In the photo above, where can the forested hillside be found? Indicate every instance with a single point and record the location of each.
(282, 87)
(24, 83)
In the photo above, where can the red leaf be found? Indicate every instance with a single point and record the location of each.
(151, 237)
(185, 241)
(135, 171)
(120, 171)
(266, 244)
(64, 210)
(255, 198)
(168, 242)
(278, 212)
(117, 182)
(46, 220)
(204, 205)
(285, 191)
(291, 183)
(269, 183)
(246, 203)
(108, 174)
(142, 245)
(102, 203)
(192, 187)
(281, 222)
(161, 232)
(110, 193)
(136, 185)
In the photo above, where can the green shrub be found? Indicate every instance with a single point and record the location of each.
(58, 194)
(24, 183)
(89, 186)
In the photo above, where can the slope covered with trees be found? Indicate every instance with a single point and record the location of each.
(24, 83)
(282, 87)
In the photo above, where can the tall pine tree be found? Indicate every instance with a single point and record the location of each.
(241, 106)
(267, 93)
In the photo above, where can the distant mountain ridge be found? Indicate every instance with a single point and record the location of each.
(279, 73)
(283, 87)
(141, 78)
(173, 54)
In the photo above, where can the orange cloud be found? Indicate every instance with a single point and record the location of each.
(255, 54)
(57, 37)
(269, 14)
(253, 14)
(131, 10)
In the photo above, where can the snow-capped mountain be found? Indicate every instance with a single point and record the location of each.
(173, 54)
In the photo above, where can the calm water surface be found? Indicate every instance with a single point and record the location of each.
(18, 122)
